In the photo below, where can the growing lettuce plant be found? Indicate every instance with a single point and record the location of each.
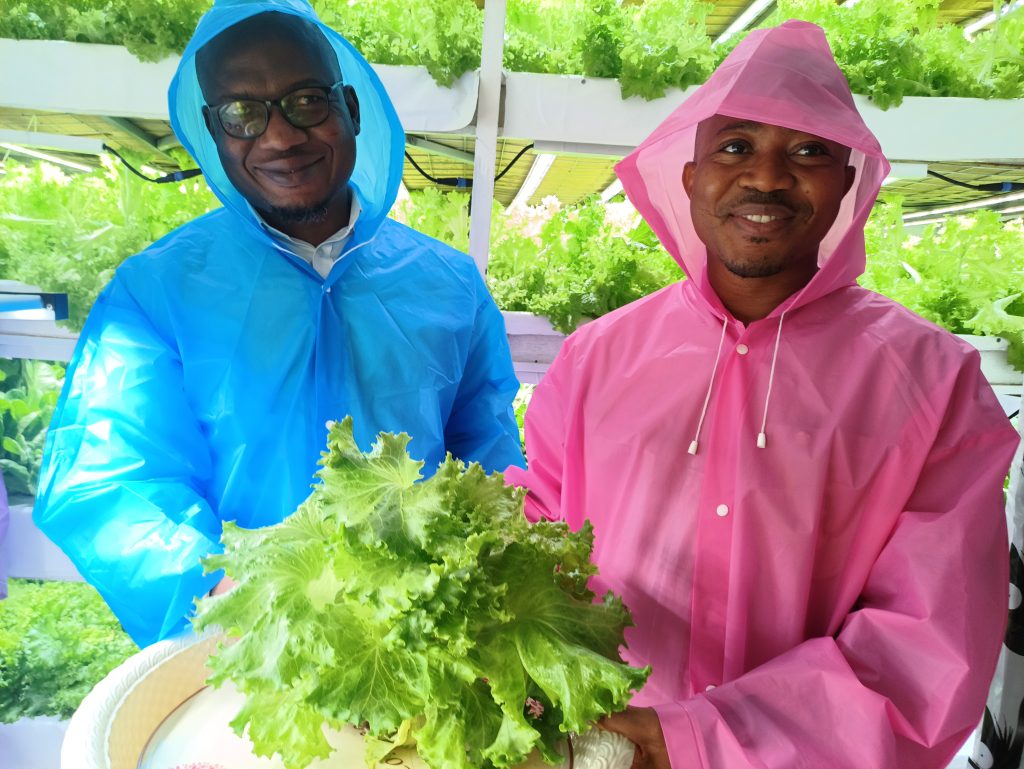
(57, 641)
(426, 607)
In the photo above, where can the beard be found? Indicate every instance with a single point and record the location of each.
(764, 267)
(313, 214)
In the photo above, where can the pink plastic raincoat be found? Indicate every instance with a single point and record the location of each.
(836, 598)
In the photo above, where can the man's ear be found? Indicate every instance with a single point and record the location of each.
(208, 119)
(352, 102)
(688, 170)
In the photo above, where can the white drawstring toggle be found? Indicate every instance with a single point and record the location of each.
(711, 384)
(762, 437)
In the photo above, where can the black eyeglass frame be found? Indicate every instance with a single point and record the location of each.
(268, 104)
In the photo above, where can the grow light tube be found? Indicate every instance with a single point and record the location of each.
(744, 20)
(44, 156)
(990, 18)
(539, 169)
(611, 191)
(982, 203)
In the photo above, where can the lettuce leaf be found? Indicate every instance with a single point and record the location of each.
(429, 606)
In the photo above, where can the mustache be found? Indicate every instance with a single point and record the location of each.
(757, 198)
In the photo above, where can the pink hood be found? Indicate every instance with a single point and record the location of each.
(785, 76)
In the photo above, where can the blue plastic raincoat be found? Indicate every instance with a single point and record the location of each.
(208, 367)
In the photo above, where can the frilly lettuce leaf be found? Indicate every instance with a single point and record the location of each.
(426, 610)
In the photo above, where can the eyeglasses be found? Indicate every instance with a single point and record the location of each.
(303, 108)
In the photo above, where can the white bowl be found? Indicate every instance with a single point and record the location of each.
(155, 711)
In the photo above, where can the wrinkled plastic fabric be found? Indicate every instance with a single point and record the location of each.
(835, 599)
(208, 367)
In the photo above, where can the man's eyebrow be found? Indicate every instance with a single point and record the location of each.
(740, 125)
(247, 93)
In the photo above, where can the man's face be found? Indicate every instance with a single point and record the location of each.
(762, 197)
(288, 174)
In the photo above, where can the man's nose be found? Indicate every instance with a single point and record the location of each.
(769, 171)
(281, 134)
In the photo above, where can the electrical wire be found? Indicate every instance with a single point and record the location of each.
(989, 187)
(460, 181)
(448, 181)
(177, 176)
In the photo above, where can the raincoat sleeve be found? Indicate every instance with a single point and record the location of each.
(545, 448)
(903, 683)
(121, 490)
(482, 426)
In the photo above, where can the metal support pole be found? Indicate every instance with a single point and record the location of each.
(487, 111)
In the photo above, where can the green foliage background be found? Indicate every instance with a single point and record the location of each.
(68, 233)
(57, 641)
(28, 395)
(887, 49)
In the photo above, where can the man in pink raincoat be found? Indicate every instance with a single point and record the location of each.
(795, 483)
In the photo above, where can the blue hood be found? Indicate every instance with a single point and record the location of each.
(380, 143)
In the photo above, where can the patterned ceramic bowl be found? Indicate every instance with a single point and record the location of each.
(155, 711)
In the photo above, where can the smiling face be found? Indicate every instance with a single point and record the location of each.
(297, 178)
(763, 197)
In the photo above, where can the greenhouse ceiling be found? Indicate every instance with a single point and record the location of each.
(530, 170)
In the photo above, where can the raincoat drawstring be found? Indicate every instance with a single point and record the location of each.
(711, 384)
(762, 439)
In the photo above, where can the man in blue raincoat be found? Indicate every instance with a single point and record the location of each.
(208, 367)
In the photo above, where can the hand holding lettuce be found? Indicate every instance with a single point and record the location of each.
(429, 607)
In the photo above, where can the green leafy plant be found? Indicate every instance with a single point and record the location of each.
(150, 29)
(580, 269)
(68, 233)
(442, 35)
(887, 50)
(892, 50)
(519, 406)
(430, 608)
(28, 394)
(964, 274)
(57, 641)
(665, 45)
(441, 215)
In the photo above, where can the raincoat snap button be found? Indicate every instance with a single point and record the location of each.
(722, 510)
(709, 687)
(742, 349)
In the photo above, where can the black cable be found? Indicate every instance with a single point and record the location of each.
(449, 181)
(460, 181)
(990, 187)
(513, 162)
(177, 176)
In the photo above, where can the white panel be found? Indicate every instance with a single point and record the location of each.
(87, 79)
(564, 108)
(31, 554)
(82, 79)
(591, 111)
(423, 105)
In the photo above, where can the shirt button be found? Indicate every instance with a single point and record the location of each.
(709, 687)
(722, 510)
(742, 349)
